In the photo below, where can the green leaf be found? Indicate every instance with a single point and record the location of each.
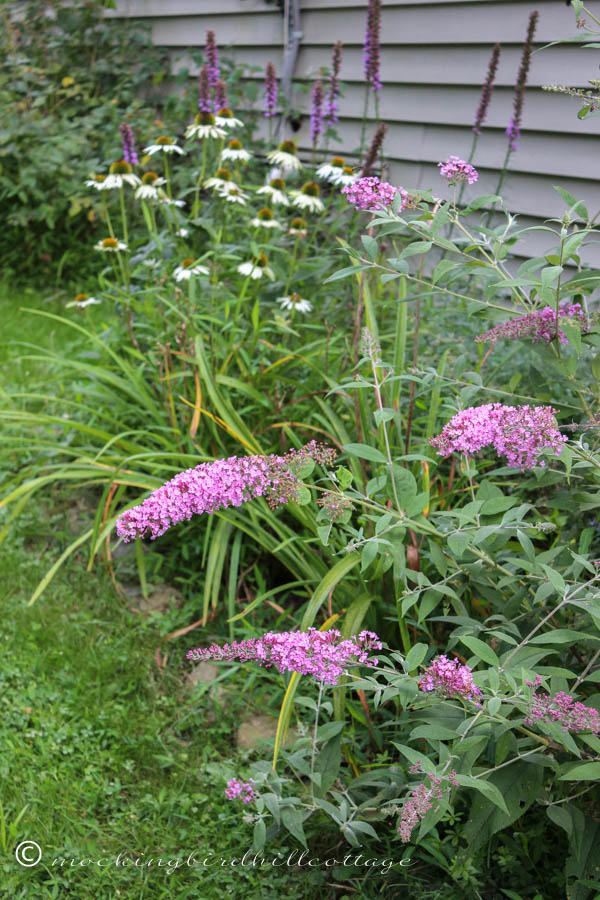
(458, 543)
(582, 772)
(292, 821)
(260, 834)
(481, 650)
(303, 497)
(415, 657)
(371, 246)
(486, 788)
(329, 730)
(433, 732)
(364, 451)
(416, 248)
(344, 477)
(327, 584)
(344, 273)
(497, 505)
(519, 784)
(478, 202)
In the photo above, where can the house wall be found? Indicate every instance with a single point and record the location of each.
(434, 58)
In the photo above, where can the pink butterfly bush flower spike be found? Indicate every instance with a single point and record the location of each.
(449, 678)
(539, 325)
(563, 709)
(323, 654)
(422, 799)
(241, 790)
(456, 169)
(219, 485)
(372, 194)
(519, 433)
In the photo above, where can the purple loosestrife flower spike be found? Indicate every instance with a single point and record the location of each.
(270, 91)
(519, 433)
(486, 90)
(514, 126)
(219, 485)
(220, 95)
(204, 102)
(371, 45)
(561, 708)
(212, 58)
(374, 149)
(316, 115)
(449, 678)
(324, 655)
(539, 325)
(127, 139)
(331, 107)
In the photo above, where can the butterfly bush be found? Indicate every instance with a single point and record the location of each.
(519, 433)
(219, 485)
(241, 790)
(539, 325)
(323, 654)
(457, 169)
(449, 678)
(563, 709)
(371, 193)
(421, 799)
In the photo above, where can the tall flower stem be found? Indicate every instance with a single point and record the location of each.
(196, 206)
(123, 215)
(168, 175)
(314, 741)
(292, 266)
(241, 295)
(363, 130)
(107, 216)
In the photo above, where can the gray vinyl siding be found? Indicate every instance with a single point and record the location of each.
(433, 60)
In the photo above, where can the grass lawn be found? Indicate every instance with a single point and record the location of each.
(104, 751)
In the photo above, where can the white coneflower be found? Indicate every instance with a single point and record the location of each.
(151, 263)
(148, 189)
(225, 119)
(97, 181)
(168, 201)
(285, 156)
(276, 192)
(187, 268)
(298, 227)
(233, 195)
(110, 245)
(308, 197)
(347, 177)
(182, 232)
(222, 180)
(83, 300)
(256, 268)
(331, 170)
(235, 151)
(164, 144)
(120, 173)
(295, 302)
(265, 218)
(204, 126)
